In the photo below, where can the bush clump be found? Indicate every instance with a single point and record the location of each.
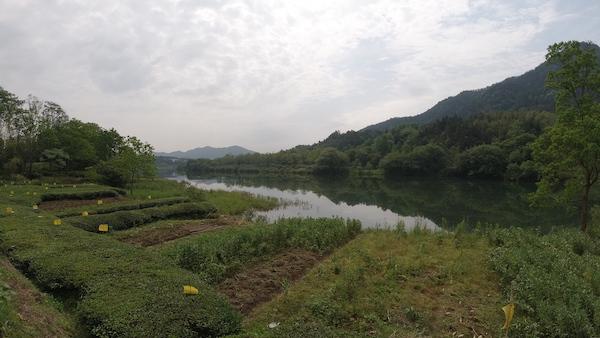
(214, 256)
(126, 206)
(126, 219)
(554, 280)
(81, 195)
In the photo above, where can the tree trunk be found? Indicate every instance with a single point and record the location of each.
(585, 200)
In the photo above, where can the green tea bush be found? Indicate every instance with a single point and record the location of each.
(216, 255)
(554, 280)
(81, 195)
(94, 210)
(126, 219)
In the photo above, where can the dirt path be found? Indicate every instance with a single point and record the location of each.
(262, 282)
(30, 303)
(64, 204)
(169, 232)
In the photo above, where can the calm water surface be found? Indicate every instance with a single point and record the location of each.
(433, 203)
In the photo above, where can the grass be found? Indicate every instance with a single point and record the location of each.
(387, 284)
(25, 311)
(216, 255)
(237, 202)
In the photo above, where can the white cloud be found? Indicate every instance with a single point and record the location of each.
(263, 74)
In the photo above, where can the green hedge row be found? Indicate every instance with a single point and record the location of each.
(214, 256)
(93, 210)
(126, 219)
(82, 195)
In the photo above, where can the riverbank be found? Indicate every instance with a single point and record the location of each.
(308, 277)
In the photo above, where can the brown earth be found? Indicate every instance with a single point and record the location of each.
(28, 299)
(154, 236)
(262, 282)
(65, 204)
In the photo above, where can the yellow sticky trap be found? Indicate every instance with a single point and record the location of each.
(35, 207)
(74, 186)
(509, 311)
(45, 188)
(103, 228)
(12, 192)
(100, 202)
(85, 213)
(34, 193)
(189, 290)
(27, 193)
(9, 211)
(149, 197)
(57, 221)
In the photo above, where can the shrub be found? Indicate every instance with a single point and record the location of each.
(553, 279)
(215, 255)
(125, 219)
(93, 210)
(81, 195)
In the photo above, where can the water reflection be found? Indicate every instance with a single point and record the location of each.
(431, 203)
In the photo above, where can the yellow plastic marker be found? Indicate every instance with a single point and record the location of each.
(27, 193)
(85, 213)
(149, 197)
(46, 188)
(57, 221)
(509, 311)
(100, 202)
(34, 193)
(12, 192)
(35, 207)
(189, 290)
(103, 228)
(9, 211)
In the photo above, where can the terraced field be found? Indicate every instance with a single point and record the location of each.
(126, 280)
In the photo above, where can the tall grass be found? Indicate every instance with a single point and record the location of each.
(216, 255)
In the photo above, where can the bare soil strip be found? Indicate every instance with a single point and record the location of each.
(28, 300)
(262, 282)
(65, 204)
(155, 236)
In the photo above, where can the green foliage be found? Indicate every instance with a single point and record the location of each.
(125, 219)
(81, 195)
(482, 161)
(553, 279)
(214, 256)
(427, 159)
(331, 161)
(123, 206)
(134, 160)
(568, 153)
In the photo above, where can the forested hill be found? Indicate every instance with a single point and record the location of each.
(523, 92)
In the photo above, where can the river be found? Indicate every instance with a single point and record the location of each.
(428, 202)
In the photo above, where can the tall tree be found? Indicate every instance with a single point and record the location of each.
(569, 151)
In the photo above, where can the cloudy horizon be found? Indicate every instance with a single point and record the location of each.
(269, 75)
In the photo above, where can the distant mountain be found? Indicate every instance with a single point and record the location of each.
(524, 92)
(207, 152)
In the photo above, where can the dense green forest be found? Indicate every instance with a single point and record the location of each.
(37, 138)
(495, 145)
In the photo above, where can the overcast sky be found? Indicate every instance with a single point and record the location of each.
(269, 75)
